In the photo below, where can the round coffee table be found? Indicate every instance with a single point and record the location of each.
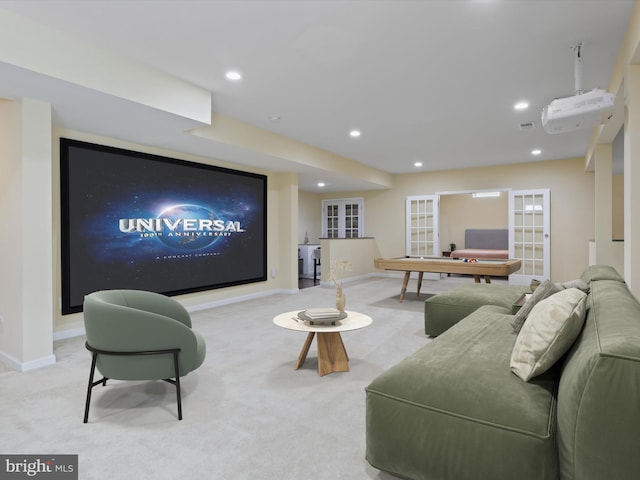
(332, 356)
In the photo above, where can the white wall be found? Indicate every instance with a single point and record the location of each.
(309, 217)
(572, 205)
(458, 212)
(357, 252)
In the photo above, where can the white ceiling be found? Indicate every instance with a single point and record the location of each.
(432, 81)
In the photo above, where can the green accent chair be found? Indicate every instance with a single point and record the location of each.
(139, 335)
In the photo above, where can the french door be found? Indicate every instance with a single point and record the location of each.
(529, 234)
(422, 226)
(529, 231)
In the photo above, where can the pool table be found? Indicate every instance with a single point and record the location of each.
(486, 268)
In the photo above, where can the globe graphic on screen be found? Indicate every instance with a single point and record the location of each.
(180, 239)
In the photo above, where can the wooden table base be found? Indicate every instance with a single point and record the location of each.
(486, 268)
(405, 282)
(332, 356)
(487, 278)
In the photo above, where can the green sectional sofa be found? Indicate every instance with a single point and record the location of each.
(454, 410)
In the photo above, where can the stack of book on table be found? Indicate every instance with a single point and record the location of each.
(321, 316)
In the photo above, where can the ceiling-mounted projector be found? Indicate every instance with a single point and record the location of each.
(586, 110)
(583, 110)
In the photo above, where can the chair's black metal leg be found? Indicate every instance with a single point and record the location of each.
(178, 396)
(94, 357)
(104, 379)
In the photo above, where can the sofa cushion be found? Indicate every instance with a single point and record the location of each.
(544, 290)
(454, 409)
(550, 330)
(447, 308)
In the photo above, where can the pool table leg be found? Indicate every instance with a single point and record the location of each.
(487, 279)
(404, 285)
(419, 282)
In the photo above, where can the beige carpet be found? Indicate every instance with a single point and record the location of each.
(247, 413)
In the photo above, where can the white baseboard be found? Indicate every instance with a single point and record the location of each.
(78, 332)
(347, 280)
(241, 298)
(26, 366)
(70, 333)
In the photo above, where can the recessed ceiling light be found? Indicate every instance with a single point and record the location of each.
(536, 151)
(233, 75)
(417, 164)
(521, 105)
(354, 133)
(321, 184)
(274, 118)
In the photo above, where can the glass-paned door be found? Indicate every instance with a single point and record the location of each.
(351, 220)
(332, 221)
(529, 235)
(422, 226)
(343, 218)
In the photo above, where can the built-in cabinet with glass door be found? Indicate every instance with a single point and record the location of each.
(343, 218)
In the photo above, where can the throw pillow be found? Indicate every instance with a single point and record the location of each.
(552, 327)
(543, 291)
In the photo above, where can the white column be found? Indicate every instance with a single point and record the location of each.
(603, 203)
(285, 240)
(632, 179)
(26, 275)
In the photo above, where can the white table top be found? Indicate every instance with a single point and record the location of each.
(354, 321)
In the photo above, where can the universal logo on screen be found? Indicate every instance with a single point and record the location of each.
(185, 227)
